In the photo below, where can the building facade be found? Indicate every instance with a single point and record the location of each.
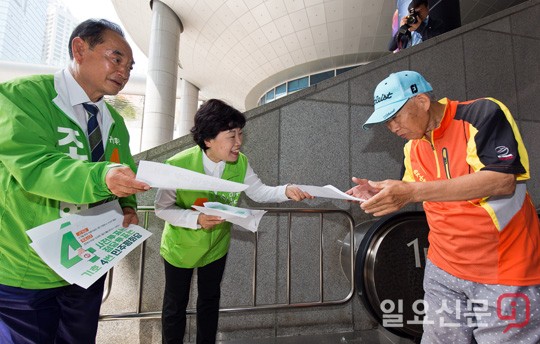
(60, 24)
(22, 28)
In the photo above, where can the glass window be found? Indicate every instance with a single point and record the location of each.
(281, 91)
(269, 96)
(315, 78)
(297, 84)
(343, 70)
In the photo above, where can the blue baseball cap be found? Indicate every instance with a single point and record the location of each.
(393, 92)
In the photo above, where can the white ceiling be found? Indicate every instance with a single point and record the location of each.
(238, 49)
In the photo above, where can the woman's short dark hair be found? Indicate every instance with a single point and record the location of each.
(213, 117)
(91, 31)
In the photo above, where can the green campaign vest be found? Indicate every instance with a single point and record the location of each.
(192, 248)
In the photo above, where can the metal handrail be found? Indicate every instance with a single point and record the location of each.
(289, 211)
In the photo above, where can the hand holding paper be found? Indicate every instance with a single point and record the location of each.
(246, 218)
(329, 191)
(296, 194)
(122, 183)
(208, 221)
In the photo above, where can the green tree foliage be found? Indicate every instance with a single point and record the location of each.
(124, 106)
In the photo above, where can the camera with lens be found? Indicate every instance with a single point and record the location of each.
(411, 19)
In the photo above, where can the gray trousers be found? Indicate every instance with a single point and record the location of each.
(461, 311)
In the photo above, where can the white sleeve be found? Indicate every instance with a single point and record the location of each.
(262, 193)
(166, 209)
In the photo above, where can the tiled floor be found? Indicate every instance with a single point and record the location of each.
(364, 337)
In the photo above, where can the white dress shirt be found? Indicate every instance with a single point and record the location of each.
(167, 210)
(77, 97)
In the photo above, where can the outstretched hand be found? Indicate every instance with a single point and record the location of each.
(363, 190)
(294, 193)
(122, 183)
(391, 196)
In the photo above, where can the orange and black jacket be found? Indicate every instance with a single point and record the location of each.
(492, 240)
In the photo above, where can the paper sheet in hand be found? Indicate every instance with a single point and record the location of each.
(246, 218)
(327, 191)
(165, 176)
(82, 247)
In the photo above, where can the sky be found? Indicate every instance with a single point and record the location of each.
(83, 10)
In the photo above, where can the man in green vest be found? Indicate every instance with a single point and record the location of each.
(48, 170)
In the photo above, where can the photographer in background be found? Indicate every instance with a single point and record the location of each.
(416, 27)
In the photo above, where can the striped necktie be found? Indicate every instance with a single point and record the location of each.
(94, 133)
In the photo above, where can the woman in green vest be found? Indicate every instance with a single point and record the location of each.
(194, 240)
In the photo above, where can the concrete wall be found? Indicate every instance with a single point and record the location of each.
(315, 137)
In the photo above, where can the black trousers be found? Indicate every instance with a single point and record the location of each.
(176, 298)
(63, 315)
